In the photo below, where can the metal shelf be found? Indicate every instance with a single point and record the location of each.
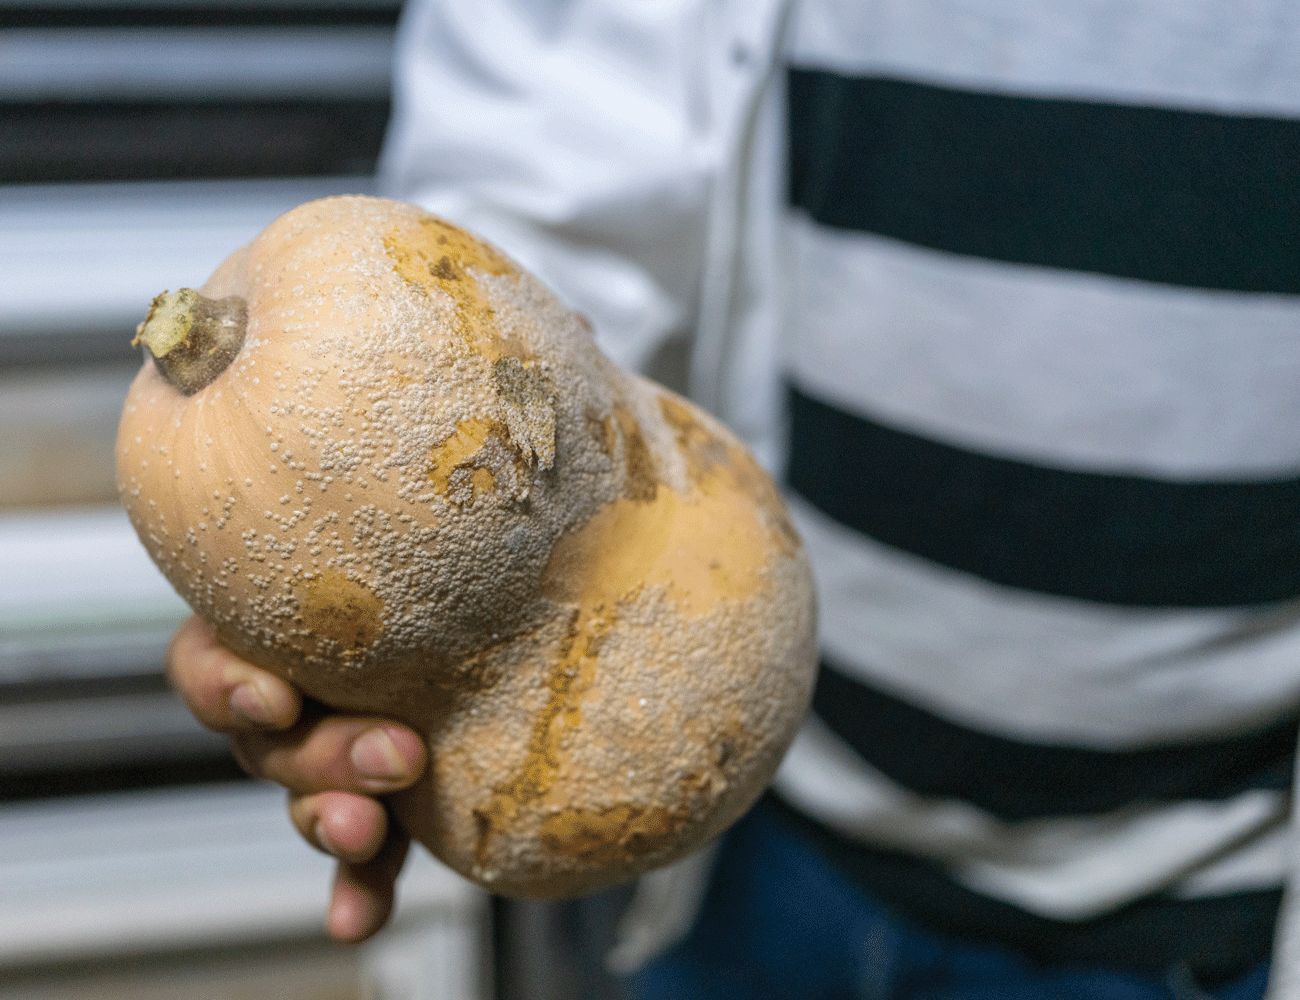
(129, 242)
(131, 64)
(165, 871)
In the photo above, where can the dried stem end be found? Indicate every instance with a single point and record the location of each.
(193, 338)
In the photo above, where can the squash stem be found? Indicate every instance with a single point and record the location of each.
(193, 338)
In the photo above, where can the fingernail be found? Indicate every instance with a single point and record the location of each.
(375, 756)
(323, 839)
(246, 701)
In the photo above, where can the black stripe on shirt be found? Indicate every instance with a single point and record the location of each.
(1217, 938)
(1180, 197)
(1117, 539)
(1017, 780)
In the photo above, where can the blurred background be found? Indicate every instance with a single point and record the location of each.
(140, 142)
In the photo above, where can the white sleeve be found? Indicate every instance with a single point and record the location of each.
(575, 134)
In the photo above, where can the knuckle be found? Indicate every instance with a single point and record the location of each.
(296, 759)
(304, 814)
(196, 674)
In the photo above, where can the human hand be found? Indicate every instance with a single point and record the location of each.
(333, 765)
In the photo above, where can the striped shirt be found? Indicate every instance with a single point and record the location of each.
(1043, 382)
(1011, 293)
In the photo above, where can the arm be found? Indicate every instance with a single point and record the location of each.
(578, 136)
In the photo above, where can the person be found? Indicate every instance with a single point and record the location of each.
(1009, 294)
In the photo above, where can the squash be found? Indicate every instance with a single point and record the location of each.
(391, 467)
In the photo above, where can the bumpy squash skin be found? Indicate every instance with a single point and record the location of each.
(420, 490)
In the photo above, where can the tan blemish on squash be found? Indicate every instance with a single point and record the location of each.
(700, 553)
(473, 460)
(462, 247)
(570, 678)
(702, 450)
(713, 464)
(435, 256)
(606, 835)
(459, 449)
(609, 836)
(481, 481)
(749, 477)
(342, 610)
(642, 483)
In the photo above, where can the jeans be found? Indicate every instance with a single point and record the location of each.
(779, 923)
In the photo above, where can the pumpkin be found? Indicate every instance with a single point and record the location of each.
(388, 465)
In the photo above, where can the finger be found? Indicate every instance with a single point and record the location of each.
(352, 828)
(363, 893)
(342, 753)
(224, 692)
